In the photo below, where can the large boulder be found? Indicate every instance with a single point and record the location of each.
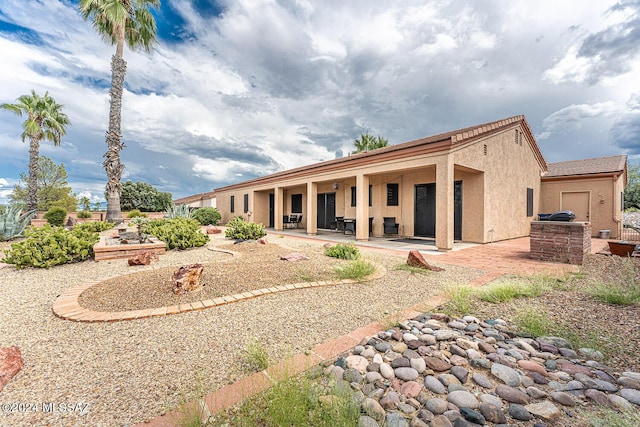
(416, 259)
(187, 278)
(10, 364)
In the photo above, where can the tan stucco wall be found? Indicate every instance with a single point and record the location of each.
(509, 169)
(605, 210)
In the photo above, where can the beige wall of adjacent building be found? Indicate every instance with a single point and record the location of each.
(604, 195)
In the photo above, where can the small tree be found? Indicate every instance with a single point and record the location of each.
(85, 203)
(143, 196)
(51, 185)
(632, 191)
(368, 142)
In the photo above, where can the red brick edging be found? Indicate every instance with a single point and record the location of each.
(67, 307)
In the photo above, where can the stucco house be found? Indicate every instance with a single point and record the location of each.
(201, 200)
(479, 184)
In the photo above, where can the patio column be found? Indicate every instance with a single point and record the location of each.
(312, 208)
(278, 198)
(362, 207)
(444, 203)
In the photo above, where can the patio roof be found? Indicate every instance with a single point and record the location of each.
(431, 144)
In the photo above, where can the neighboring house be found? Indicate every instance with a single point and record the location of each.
(593, 189)
(202, 200)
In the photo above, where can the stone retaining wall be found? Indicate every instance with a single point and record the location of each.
(103, 252)
(566, 242)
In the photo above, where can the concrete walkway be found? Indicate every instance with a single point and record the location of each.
(496, 259)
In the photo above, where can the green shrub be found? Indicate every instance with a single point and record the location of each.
(95, 227)
(180, 211)
(342, 251)
(48, 246)
(136, 213)
(513, 287)
(85, 214)
(13, 222)
(256, 356)
(462, 300)
(297, 401)
(355, 270)
(237, 228)
(178, 233)
(56, 216)
(207, 216)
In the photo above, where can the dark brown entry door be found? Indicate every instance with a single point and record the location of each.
(425, 210)
(326, 209)
(272, 207)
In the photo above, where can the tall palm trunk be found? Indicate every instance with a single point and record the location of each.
(112, 164)
(34, 153)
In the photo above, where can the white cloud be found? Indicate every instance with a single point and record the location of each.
(272, 85)
(574, 116)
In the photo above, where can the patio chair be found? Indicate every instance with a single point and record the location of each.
(286, 221)
(298, 221)
(340, 223)
(390, 225)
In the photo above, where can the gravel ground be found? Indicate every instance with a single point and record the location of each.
(220, 277)
(131, 371)
(613, 329)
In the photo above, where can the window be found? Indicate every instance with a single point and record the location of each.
(353, 196)
(392, 194)
(296, 203)
(484, 149)
(246, 203)
(515, 139)
(529, 201)
(370, 194)
(233, 204)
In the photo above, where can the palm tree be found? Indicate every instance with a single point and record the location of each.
(45, 120)
(368, 142)
(119, 21)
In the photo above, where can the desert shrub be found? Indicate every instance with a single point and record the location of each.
(237, 228)
(95, 227)
(207, 216)
(85, 214)
(48, 246)
(56, 216)
(342, 251)
(177, 233)
(180, 211)
(136, 213)
(355, 270)
(13, 222)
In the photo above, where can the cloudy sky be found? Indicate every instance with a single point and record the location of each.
(239, 89)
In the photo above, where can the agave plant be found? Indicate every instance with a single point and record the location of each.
(13, 222)
(180, 211)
